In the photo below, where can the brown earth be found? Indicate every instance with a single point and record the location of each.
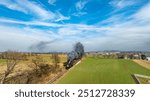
(143, 63)
(23, 73)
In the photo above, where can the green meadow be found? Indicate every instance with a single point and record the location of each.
(103, 71)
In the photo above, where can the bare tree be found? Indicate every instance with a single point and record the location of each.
(36, 63)
(40, 66)
(56, 60)
(11, 61)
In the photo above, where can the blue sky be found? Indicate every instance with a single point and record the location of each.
(56, 25)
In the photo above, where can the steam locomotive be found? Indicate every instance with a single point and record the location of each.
(74, 56)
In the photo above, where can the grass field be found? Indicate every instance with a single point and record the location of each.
(103, 71)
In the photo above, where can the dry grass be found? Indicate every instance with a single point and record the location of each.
(23, 66)
(143, 63)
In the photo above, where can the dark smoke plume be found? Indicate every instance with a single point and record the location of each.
(41, 46)
(76, 54)
(79, 48)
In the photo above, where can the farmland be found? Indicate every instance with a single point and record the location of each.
(34, 68)
(93, 70)
(143, 63)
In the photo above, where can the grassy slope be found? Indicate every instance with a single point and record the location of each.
(105, 71)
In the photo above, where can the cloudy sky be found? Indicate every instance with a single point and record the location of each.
(55, 25)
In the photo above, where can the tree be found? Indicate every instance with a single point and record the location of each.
(39, 66)
(11, 61)
(56, 60)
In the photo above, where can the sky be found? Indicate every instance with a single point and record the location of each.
(56, 25)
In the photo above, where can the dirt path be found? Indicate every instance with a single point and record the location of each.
(143, 63)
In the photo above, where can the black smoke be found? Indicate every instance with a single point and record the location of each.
(76, 54)
(79, 49)
(41, 46)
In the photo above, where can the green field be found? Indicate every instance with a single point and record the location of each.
(103, 71)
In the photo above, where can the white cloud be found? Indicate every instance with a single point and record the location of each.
(113, 19)
(119, 34)
(34, 9)
(69, 31)
(143, 13)
(122, 3)
(61, 17)
(79, 13)
(21, 38)
(51, 2)
(28, 7)
(47, 24)
(80, 5)
(38, 10)
(32, 23)
(12, 5)
(126, 37)
(125, 33)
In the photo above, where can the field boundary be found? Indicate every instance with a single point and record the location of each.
(143, 63)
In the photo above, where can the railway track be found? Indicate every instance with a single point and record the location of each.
(61, 74)
(57, 77)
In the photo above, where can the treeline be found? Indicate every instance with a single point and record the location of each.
(119, 56)
(14, 55)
